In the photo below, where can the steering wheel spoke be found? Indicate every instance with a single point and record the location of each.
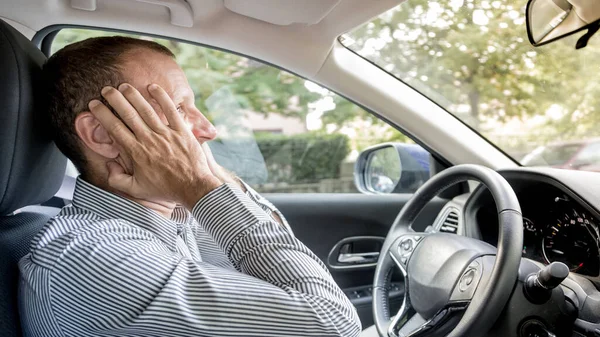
(405, 314)
(439, 325)
(401, 251)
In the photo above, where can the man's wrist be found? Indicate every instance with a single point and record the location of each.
(197, 191)
(238, 182)
(228, 177)
(227, 227)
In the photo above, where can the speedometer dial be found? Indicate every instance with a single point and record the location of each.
(573, 240)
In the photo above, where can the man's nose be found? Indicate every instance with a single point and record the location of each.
(202, 128)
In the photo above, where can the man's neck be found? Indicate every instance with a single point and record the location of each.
(162, 207)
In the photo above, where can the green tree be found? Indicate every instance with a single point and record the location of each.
(456, 56)
(474, 59)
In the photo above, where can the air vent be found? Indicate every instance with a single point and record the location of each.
(450, 224)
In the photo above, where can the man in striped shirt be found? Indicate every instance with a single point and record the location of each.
(160, 240)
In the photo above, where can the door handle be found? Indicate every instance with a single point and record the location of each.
(356, 252)
(358, 258)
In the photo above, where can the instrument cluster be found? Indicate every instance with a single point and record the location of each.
(565, 234)
(556, 228)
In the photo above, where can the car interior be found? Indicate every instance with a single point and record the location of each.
(488, 246)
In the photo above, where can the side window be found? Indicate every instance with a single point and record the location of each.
(277, 131)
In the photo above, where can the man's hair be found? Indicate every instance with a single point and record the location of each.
(75, 75)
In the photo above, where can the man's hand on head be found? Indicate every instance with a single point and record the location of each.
(167, 160)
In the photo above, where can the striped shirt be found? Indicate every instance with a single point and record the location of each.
(107, 266)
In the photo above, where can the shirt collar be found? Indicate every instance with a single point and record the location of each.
(111, 206)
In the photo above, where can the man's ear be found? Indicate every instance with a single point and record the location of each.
(95, 136)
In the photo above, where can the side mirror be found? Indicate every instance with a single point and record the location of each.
(551, 20)
(391, 168)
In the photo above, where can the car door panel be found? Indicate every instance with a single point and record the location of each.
(327, 223)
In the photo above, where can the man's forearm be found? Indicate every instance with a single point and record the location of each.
(282, 290)
(258, 246)
(230, 178)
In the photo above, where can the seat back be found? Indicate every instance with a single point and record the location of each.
(16, 234)
(31, 167)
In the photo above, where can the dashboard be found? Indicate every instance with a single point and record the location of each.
(558, 224)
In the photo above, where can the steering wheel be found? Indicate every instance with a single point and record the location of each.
(454, 285)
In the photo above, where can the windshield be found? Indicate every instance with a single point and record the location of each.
(551, 155)
(473, 59)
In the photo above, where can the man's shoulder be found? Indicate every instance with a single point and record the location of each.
(75, 228)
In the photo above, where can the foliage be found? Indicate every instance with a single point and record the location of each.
(385, 162)
(303, 158)
(456, 60)
(474, 59)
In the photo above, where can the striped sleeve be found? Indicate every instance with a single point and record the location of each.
(265, 204)
(117, 280)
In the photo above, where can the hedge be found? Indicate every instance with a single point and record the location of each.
(303, 158)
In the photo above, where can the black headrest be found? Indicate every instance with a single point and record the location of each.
(31, 167)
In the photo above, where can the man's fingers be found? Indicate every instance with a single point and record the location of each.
(168, 107)
(119, 179)
(212, 164)
(142, 106)
(127, 112)
(207, 151)
(112, 124)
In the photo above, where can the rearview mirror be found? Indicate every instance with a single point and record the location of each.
(391, 168)
(551, 20)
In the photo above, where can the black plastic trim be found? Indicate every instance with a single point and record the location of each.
(355, 294)
(46, 43)
(530, 37)
(473, 204)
